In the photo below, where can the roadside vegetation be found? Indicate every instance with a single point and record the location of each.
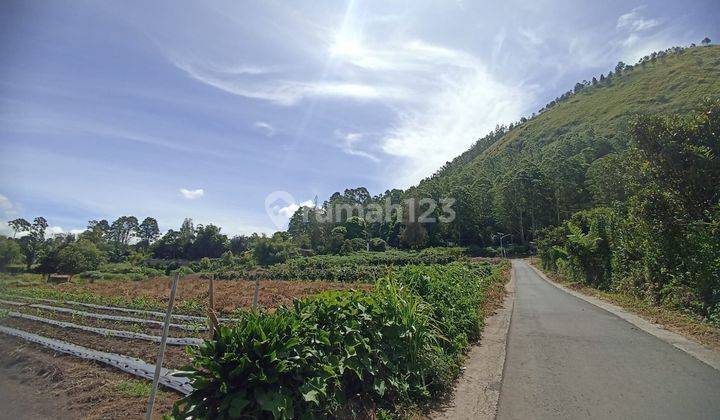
(655, 234)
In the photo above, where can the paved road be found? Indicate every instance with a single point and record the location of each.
(569, 359)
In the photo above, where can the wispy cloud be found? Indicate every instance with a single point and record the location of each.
(287, 92)
(349, 142)
(6, 207)
(265, 127)
(635, 22)
(465, 109)
(192, 194)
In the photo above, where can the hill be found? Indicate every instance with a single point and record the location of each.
(540, 171)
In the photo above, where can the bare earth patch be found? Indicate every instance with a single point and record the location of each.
(40, 384)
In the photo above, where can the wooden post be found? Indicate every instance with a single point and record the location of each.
(161, 351)
(211, 292)
(257, 293)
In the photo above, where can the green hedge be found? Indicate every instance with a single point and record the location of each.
(358, 266)
(401, 343)
(121, 271)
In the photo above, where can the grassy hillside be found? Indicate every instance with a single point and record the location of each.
(534, 174)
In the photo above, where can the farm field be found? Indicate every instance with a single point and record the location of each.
(192, 292)
(121, 317)
(38, 309)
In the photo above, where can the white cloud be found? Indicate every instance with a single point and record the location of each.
(634, 22)
(286, 92)
(291, 208)
(532, 36)
(54, 230)
(467, 105)
(192, 194)
(5, 203)
(7, 209)
(454, 100)
(348, 146)
(266, 128)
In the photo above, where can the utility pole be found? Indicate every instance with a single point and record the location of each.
(502, 249)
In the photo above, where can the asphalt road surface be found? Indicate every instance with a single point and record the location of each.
(567, 358)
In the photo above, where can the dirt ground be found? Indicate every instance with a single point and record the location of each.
(229, 294)
(39, 384)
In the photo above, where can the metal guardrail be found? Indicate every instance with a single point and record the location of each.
(175, 341)
(127, 364)
(104, 316)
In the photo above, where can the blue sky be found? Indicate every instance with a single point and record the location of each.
(202, 109)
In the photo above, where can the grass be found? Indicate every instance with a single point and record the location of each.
(134, 388)
(21, 279)
(672, 319)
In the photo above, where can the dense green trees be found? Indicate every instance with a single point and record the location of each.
(33, 242)
(79, 256)
(273, 250)
(10, 252)
(660, 240)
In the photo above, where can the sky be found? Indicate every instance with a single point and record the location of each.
(236, 112)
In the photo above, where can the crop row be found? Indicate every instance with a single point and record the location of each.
(107, 332)
(401, 343)
(75, 312)
(128, 364)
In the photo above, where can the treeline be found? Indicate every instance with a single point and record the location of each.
(129, 240)
(655, 232)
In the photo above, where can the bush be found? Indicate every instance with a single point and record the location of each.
(273, 250)
(357, 266)
(378, 245)
(121, 271)
(79, 256)
(352, 245)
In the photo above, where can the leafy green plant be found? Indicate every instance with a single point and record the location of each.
(336, 349)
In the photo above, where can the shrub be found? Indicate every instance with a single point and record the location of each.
(309, 360)
(79, 256)
(121, 271)
(357, 266)
(378, 245)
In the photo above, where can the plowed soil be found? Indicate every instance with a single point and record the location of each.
(229, 294)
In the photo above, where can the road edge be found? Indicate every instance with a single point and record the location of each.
(704, 354)
(477, 391)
